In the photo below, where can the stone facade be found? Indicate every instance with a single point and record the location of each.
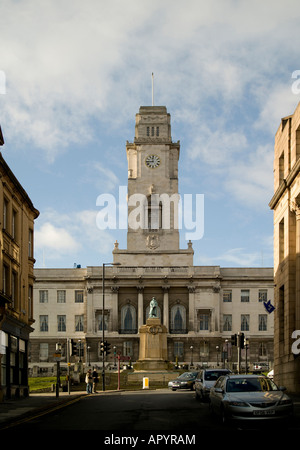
(16, 280)
(199, 306)
(286, 206)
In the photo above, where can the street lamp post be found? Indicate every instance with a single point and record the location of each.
(191, 347)
(103, 306)
(217, 348)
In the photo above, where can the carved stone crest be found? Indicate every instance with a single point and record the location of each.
(152, 241)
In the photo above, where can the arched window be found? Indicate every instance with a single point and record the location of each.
(178, 319)
(128, 319)
(154, 212)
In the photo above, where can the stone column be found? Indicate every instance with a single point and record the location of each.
(166, 306)
(140, 290)
(191, 319)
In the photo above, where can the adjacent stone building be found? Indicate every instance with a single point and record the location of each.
(286, 206)
(200, 306)
(17, 215)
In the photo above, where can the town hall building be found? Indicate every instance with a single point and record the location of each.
(201, 306)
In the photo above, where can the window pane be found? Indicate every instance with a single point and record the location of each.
(61, 323)
(43, 296)
(43, 323)
(227, 296)
(245, 295)
(78, 296)
(61, 296)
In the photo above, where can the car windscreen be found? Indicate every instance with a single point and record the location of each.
(213, 376)
(258, 384)
(187, 375)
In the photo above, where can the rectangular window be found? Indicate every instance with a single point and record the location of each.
(14, 289)
(5, 214)
(61, 323)
(5, 281)
(157, 131)
(44, 352)
(204, 321)
(99, 321)
(43, 296)
(127, 348)
(43, 323)
(61, 296)
(262, 322)
(204, 349)
(178, 349)
(148, 131)
(245, 320)
(79, 323)
(227, 296)
(227, 322)
(281, 167)
(245, 295)
(281, 241)
(262, 295)
(78, 296)
(14, 224)
(30, 243)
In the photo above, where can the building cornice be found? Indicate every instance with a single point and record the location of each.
(285, 184)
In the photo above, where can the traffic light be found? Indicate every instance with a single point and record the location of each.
(102, 349)
(73, 348)
(242, 340)
(107, 347)
(234, 339)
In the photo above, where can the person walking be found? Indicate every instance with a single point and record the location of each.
(95, 380)
(89, 381)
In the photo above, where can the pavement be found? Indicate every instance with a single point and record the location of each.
(16, 411)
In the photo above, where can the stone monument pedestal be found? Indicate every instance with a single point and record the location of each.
(153, 346)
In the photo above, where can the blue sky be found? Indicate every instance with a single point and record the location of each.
(76, 74)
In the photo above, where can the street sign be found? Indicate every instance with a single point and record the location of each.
(57, 357)
(124, 358)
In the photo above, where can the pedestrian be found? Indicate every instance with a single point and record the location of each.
(95, 380)
(89, 381)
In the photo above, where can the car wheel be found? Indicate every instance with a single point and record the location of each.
(173, 389)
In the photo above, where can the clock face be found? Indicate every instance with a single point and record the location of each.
(152, 161)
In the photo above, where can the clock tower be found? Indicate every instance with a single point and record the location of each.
(153, 199)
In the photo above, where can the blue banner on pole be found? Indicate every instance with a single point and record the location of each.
(269, 307)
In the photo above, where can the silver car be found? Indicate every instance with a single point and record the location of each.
(185, 381)
(205, 381)
(249, 397)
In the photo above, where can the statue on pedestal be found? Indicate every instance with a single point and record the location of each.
(153, 313)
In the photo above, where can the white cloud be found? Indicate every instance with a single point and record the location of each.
(234, 257)
(68, 61)
(67, 235)
(55, 239)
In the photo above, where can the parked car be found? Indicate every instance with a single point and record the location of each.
(249, 397)
(260, 367)
(185, 381)
(205, 380)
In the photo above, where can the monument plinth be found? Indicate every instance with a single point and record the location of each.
(153, 342)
